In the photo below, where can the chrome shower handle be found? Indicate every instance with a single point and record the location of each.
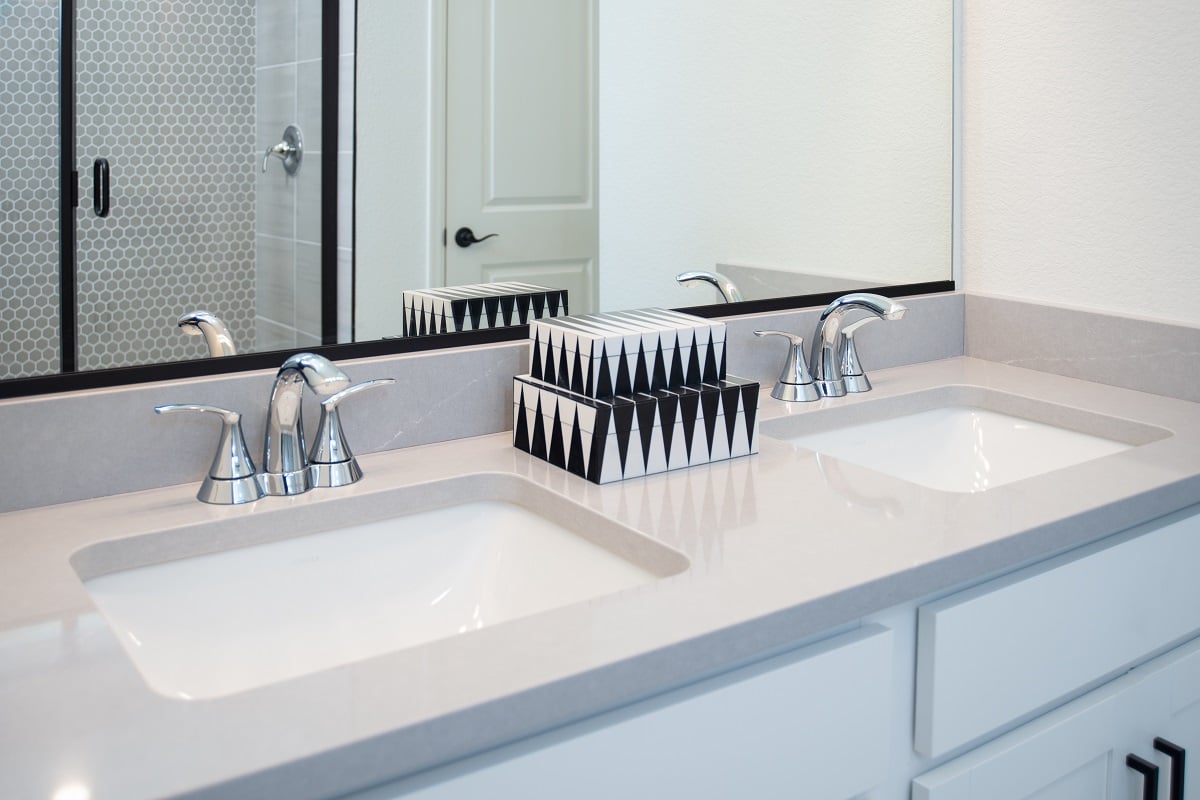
(290, 151)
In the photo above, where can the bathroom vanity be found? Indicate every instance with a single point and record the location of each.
(787, 605)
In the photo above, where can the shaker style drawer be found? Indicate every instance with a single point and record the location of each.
(1079, 750)
(1014, 646)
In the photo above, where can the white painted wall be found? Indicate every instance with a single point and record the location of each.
(778, 134)
(736, 133)
(1081, 153)
(394, 172)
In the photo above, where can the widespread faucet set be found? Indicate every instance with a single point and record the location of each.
(834, 355)
(288, 468)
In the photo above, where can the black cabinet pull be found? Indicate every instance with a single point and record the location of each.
(1149, 775)
(100, 187)
(1178, 757)
(465, 237)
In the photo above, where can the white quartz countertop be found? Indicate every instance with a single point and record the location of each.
(782, 547)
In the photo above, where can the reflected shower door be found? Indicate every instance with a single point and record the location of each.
(165, 95)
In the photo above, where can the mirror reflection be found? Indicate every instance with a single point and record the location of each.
(793, 148)
(599, 147)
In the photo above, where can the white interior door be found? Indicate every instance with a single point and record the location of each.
(521, 144)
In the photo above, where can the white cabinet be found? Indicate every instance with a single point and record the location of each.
(837, 719)
(812, 723)
(1012, 647)
(1178, 721)
(1078, 751)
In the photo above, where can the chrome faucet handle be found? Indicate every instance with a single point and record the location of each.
(723, 284)
(852, 369)
(230, 479)
(331, 463)
(795, 384)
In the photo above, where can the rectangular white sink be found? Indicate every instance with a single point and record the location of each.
(214, 624)
(961, 438)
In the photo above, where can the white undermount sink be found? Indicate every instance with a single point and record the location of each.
(208, 625)
(961, 438)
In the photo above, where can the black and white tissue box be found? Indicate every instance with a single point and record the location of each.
(606, 440)
(624, 352)
(478, 306)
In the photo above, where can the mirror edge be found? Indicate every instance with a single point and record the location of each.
(204, 367)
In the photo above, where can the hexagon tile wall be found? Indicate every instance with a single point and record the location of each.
(29, 176)
(165, 92)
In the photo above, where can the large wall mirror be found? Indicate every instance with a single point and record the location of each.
(799, 148)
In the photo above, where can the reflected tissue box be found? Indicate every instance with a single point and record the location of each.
(478, 306)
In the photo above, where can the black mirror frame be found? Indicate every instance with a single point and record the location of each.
(96, 379)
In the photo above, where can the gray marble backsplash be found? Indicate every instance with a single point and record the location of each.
(80, 445)
(1130, 352)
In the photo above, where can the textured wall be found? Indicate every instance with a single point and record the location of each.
(809, 136)
(1081, 153)
(395, 188)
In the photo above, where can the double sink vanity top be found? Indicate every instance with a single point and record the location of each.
(465, 595)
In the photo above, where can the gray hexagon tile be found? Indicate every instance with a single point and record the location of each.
(29, 177)
(181, 232)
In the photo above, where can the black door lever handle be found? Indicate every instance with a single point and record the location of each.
(465, 237)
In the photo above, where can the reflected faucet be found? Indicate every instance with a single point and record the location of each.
(215, 333)
(827, 353)
(285, 464)
(723, 284)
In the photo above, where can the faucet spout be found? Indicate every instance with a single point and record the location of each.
(723, 284)
(216, 334)
(285, 463)
(827, 344)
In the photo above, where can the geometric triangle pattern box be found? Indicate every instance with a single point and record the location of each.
(478, 306)
(605, 440)
(621, 353)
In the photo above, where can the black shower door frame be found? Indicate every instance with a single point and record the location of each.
(69, 180)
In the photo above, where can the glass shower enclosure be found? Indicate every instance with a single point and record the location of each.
(178, 193)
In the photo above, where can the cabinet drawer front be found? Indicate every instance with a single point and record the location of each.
(1078, 750)
(1068, 753)
(1014, 646)
(812, 723)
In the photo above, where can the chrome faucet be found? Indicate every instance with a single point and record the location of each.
(287, 468)
(829, 343)
(723, 284)
(215, 333)
(285, 463)
(835, 366)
